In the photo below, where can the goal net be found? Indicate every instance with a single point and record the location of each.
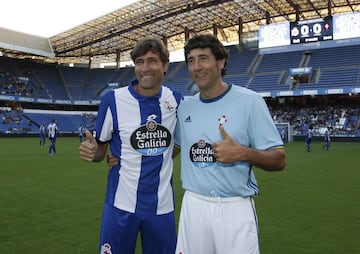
(285, 131)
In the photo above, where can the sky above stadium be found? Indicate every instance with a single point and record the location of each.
(46, 18)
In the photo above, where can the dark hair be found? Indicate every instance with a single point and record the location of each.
(207, 41)
(153, 44)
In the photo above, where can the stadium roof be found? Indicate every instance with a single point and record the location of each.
(113, 35)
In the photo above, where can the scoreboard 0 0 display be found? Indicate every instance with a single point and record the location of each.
(311, 30)
(331, 31)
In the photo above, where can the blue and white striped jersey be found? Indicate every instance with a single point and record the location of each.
(140, 131)
(52, 130)
(245, 117)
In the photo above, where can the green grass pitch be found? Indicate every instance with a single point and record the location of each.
(53, 204)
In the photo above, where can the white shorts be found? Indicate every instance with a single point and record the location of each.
(217, 225)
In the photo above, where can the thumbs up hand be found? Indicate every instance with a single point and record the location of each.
(226, 150)
(88, 148)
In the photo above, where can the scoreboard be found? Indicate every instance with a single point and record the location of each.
(311, 30)
(324, 32)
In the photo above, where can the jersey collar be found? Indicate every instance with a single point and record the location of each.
(217, 97)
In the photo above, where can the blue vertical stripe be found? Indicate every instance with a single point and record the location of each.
(147, 193)
(108, 103)
(252, 185)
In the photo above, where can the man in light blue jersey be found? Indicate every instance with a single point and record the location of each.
(138, 123)
(223, 131)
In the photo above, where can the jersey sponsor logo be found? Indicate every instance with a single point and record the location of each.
(202, 155)
(151, 139)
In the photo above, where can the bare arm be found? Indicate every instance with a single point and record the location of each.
(228, 151)
(90, 151)
(270, 160)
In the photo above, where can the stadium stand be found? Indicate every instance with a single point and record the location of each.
(246, 68)
(333, 69)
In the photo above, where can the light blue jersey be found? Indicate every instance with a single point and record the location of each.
(245, 117)
(141, 132)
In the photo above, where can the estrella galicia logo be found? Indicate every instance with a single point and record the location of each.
(201, 154)
(151, 139)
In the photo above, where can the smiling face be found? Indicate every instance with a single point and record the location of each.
(204, 69)
(149, 71)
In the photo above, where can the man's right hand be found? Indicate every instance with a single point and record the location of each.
(88, 148)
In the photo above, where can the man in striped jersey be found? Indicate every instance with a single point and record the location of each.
(138, 123)
(52, 131)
